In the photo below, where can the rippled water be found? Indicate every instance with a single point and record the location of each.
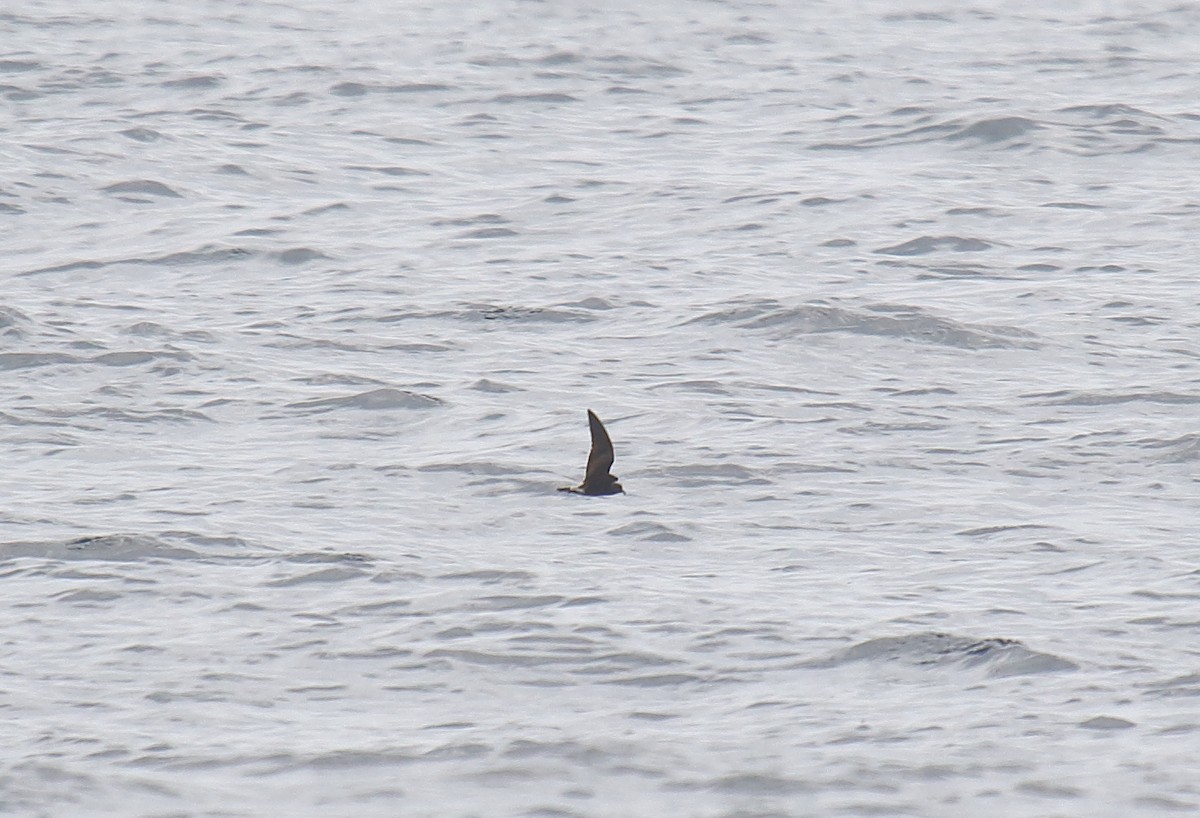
(890, 312)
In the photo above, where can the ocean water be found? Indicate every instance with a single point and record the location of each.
(890, 309)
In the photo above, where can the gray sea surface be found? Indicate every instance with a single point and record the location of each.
(890, 308)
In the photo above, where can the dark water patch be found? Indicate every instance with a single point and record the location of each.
(349, 89)
(468, 221)
(1000, 657)
(1000, 129)
(86, 596)
(295, 99)
(648, 532)
(298, 255)
(53, 151)
(415, 87)
(657, 680)
(494, 387)
(896, 321)
(632, 66)
(150, 329)
(560, 58)
(918, 392)
(514, 602)
(490, 576)
(1046, 789)
(1073, 206)
(214, 115)
(27, 360)
(141, 134)
(389, 170)
(326, 208)
(493, 627)
(586, 754)
(400, 140)
(761, 197)
(336, 379)
(581, 601)
(501, 313)
(474, 468)
(1111, 398)
(144, 187)
(697, 475)
(416, 347)
(938, 272)
(286, 340)
(13, 322)
(624, 661)
(519, 483)
(496, 658)
(145, 417)
(374, 400)
(702, 387)
(207, 254)
(1139, 320)
(134, 357)
(478, 119)
(756, 786)
(884, 427)
(918, 17)
(738, 315)
(18, 66)
(989, 531)
(15, 93)
(488, 233)
(1105, 111)
(1182, 449)
(325, 557)
(1166, 596)
(106, 547)
(1187, 685)
(643, 715)
(749, 38)
(976, 211)
(930, 244)
(323, 764)
(786, 388)
(199, 82)
(787, 471)
(547, 97)
(358, 89)
(924, 133)
(324, 575)
(1106, 723)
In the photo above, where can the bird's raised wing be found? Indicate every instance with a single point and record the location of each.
(600, 458)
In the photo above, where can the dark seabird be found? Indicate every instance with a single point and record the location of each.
(596, 479)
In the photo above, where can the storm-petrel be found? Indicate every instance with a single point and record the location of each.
(596, 479)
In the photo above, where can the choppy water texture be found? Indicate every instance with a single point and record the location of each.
(891, 313)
